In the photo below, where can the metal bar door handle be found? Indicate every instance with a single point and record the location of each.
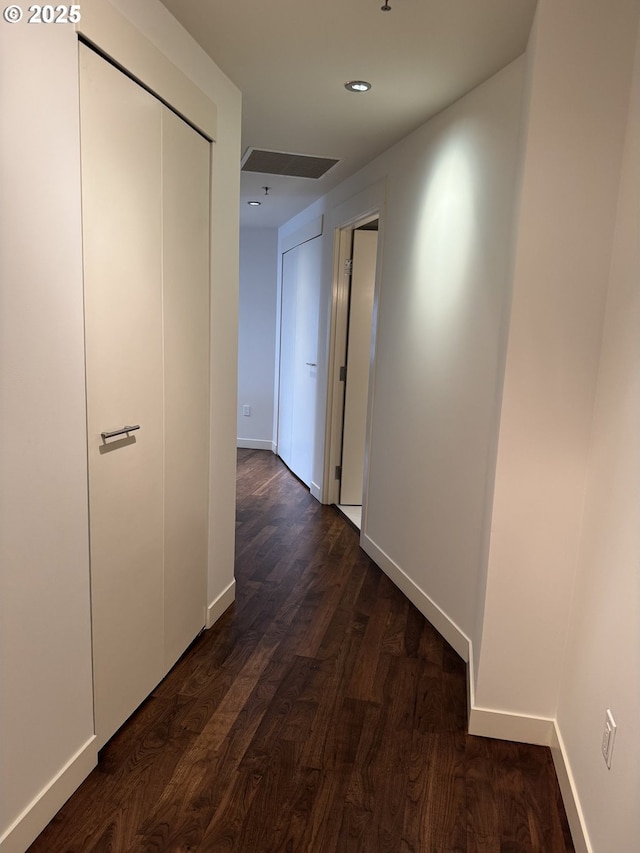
(122, 431)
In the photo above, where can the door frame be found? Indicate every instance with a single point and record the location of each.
(358, 358)
(338, 330)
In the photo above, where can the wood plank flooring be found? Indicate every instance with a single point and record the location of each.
(322, 713)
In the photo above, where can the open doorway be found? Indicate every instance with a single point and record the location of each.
(357, 250)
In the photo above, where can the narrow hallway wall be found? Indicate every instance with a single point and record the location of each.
(602, 665)
(257, 336)
(45, 657)
(577, 89)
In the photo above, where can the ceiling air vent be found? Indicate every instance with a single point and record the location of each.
(288, 165)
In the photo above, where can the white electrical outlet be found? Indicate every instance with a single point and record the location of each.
(608, 737)
(246, 411)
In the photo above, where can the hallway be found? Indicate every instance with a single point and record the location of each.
(322, 713)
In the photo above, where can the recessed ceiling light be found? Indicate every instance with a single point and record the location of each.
(254, 203)
(357, 86)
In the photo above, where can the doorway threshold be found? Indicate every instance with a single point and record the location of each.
(352, 514)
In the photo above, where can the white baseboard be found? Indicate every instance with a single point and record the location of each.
(220, 604)
(429, 609)
(274, 448)
(487, 722)
(255, 443)
(575, 815)
(315, 491)
(505, 725)
(28, 826)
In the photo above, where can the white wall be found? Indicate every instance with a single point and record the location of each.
(580, 60)
(438, 371)
(257, 336)
(602, 665)
(46, 713)
(47, 706)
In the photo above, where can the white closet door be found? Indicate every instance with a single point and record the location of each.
(298, 357)
(121, 165)
(146, 229)
(185, 171)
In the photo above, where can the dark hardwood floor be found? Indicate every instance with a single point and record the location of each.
(322, 713)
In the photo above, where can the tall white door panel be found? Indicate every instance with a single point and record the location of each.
(145, 180)
(121, 126)
(287, 355)
(185, 171)
(298, 357)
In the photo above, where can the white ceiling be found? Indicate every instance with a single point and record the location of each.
(291, 58)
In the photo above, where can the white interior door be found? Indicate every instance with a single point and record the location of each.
(145, 177)
(365, 245)
(298, 357)
(121, 162)
(286, 384)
